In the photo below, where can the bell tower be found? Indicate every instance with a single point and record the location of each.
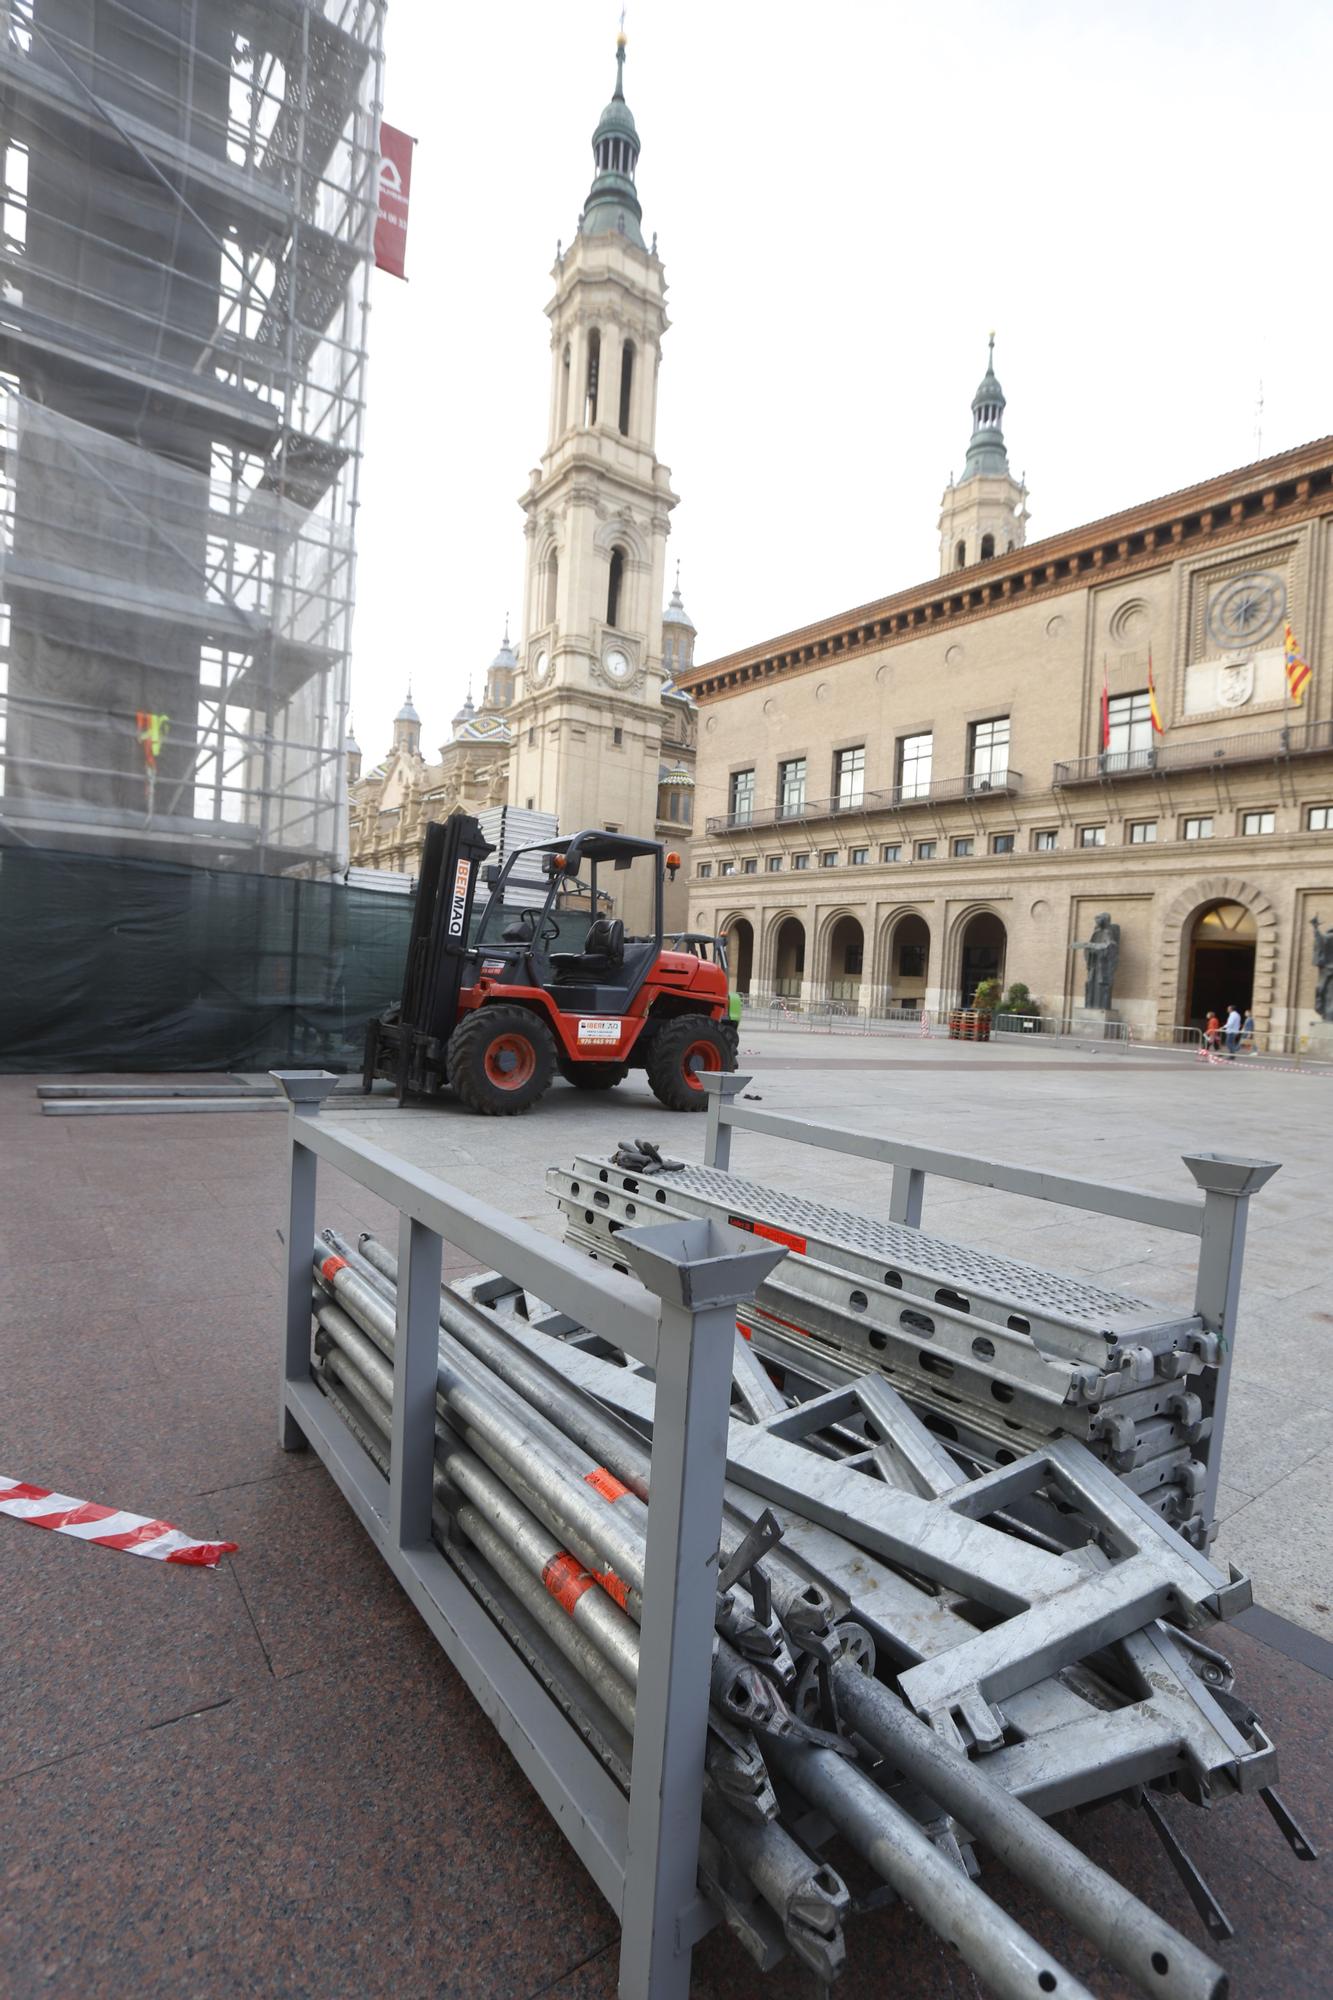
(985, 514)
(587, 721)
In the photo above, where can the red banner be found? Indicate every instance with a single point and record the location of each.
(395, 186)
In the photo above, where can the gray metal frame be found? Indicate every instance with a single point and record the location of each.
(1218, 1221)
(676, 1317)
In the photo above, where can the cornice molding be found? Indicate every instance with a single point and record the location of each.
(1257, 500)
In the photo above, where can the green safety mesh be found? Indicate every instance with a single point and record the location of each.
(117, 964)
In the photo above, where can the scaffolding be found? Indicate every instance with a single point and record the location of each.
(186, 239)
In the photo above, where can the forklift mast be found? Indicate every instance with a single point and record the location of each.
(410, 1048)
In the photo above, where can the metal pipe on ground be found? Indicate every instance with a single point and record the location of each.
(1000, 1952)
(1126, 1931)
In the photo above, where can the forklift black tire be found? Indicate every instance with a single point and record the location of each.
(592, 1075)
(682, 1049)
(500, 1060)
(732, 1031)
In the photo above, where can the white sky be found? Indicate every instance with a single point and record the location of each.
(847, 196)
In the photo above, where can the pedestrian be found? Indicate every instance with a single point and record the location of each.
(1212, 1028)
(1232, 1029)
(1247, 1030)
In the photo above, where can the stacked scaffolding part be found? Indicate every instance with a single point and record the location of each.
(898, 1653)
(996, 1355)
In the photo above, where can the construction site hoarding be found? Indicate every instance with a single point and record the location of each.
(190, 200)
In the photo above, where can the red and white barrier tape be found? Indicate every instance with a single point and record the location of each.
(107, 1527)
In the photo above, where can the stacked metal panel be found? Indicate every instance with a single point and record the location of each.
(997, 1356)
(508, 828)
(898, 1659)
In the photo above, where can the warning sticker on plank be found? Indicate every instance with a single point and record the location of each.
(106, 1527)
(770, 1230)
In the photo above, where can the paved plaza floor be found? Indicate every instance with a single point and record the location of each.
(266, 1780)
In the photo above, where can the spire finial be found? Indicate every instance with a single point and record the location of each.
(678, 573)
(990, 359)
(506, 637)
(621, 40)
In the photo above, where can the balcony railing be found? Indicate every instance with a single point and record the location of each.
(1254, 746)
(897, 798)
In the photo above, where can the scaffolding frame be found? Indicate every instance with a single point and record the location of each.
(186, 237)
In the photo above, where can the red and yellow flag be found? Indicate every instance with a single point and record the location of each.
(1299, 671)
(1153, 710)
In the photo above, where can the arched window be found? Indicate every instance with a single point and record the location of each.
(594, 370)
(626, 385)
(564, 392)
(614, 582)
(552, 579)
(987, 547)
(960, 556)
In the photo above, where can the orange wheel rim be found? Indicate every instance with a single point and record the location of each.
(699, 1055)
(510, 1061)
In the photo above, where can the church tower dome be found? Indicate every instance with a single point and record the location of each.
(984, 513)
(612, 207)
(407, 726)
(678, 634)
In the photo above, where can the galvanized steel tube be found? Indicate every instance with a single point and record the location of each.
(999, 1951)
(1131, 1935)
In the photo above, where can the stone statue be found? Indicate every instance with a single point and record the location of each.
(1102, 950)
(1323, 960)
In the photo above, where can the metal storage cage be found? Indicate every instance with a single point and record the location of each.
(189, 206)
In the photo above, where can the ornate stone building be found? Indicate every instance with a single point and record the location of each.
(955, 781)
(587, 720)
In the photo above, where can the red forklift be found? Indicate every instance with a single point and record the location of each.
(548, 979)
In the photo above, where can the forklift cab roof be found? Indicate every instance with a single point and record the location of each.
(619, 848)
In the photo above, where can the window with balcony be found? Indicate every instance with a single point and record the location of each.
(858, 857)
(964, 846)
(1045, 840)
(1129, 732)
(774, 864)
(791, 787)
(892, 850)
(1200, 827)
(800, 861)
(1319, 819)
(829, 859)
(741, 797)
(1002, 843)
(925, 850)
(849, 777)
(1258, 822)
(914, 755)
(751, 866)
(727, 868)
(988, 752)
(705, 868)
(1142, 832)
(1092, 836)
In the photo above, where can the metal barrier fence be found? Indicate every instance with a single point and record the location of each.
(677, 1316)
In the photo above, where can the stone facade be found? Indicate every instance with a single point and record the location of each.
(958, 815)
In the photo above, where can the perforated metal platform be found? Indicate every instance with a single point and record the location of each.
(1074, 1314)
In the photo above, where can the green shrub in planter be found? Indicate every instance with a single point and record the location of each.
(987, 997)
(1018, 1000)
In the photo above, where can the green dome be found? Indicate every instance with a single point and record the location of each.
(986, 454)
(612, 207)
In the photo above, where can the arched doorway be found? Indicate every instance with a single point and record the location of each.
(1221, 962)
(846, 961)
(909, 962)
(740, 953)
(789, 959)
(981, 954)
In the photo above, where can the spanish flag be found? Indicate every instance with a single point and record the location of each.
(1298, 670)
(1153, 710)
